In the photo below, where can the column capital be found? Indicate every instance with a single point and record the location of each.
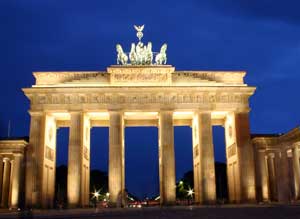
(115, 111)
(18, 155)
(165, 111)
(296, 145)
(271, 155)
(244, 110)
(36, 113)
(235, 112)
(75, 111)
(6, 159)
(199, 111)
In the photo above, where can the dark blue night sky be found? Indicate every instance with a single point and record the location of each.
(261, 37)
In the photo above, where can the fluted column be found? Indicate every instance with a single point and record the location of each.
(166, 158)
(263, 175)
(116, 174)
(17, 173)
(203, 159)
(6, 182)
(282, 176)
(1, 176)
(296, 168)
(75, 160)
(34, 160)
(245, 157)
(12, 164)
(85, 182)
(272, 177)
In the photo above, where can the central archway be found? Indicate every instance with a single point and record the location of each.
(141, 162)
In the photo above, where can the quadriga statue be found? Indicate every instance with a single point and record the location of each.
(149, 54)
(141, 54)
(161, 57)
(133, 55)
(121, 57)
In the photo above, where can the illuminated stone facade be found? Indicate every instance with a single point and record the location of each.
(136, 94)
(277, 166)
(155, 95)
(12, 172)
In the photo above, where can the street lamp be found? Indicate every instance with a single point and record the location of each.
(190, 192)
(96, 194)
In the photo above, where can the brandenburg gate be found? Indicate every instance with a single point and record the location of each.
(142, 90)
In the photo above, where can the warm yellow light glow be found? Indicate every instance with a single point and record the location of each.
(61, 115)
(229, 119)
(190, 192)
(96, 194)
(140, 115)
(183, 115)
(180, 182)
(157, 198)
(218, 114)
(98, 115)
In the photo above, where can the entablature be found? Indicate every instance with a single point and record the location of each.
(152, 75)
(210, 98)
(279, 141)
(12, 147)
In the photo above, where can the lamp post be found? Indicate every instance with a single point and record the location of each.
(96, 195)
(190, 194)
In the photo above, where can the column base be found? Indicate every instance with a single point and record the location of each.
(74, 206)
(211, 202)
(170, 203)
(115, 205)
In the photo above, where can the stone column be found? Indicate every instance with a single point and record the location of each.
(1, 175)
(34, 160)
(296, 169)
(12, 165)
(245, 158)
(282, 176)
(203, 159)
(75, 160)
(263, 175)
(166, 158)
(6, 182)
(85, 184)
(17, 173)
(116, 174)
(272, 177)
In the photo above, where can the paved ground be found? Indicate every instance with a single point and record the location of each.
(211, 212)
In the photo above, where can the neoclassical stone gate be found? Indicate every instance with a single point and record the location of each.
(147, 95)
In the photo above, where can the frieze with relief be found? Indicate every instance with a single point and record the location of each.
(140, 77)
(113, 98)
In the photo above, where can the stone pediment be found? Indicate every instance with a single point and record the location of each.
(153, 75)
